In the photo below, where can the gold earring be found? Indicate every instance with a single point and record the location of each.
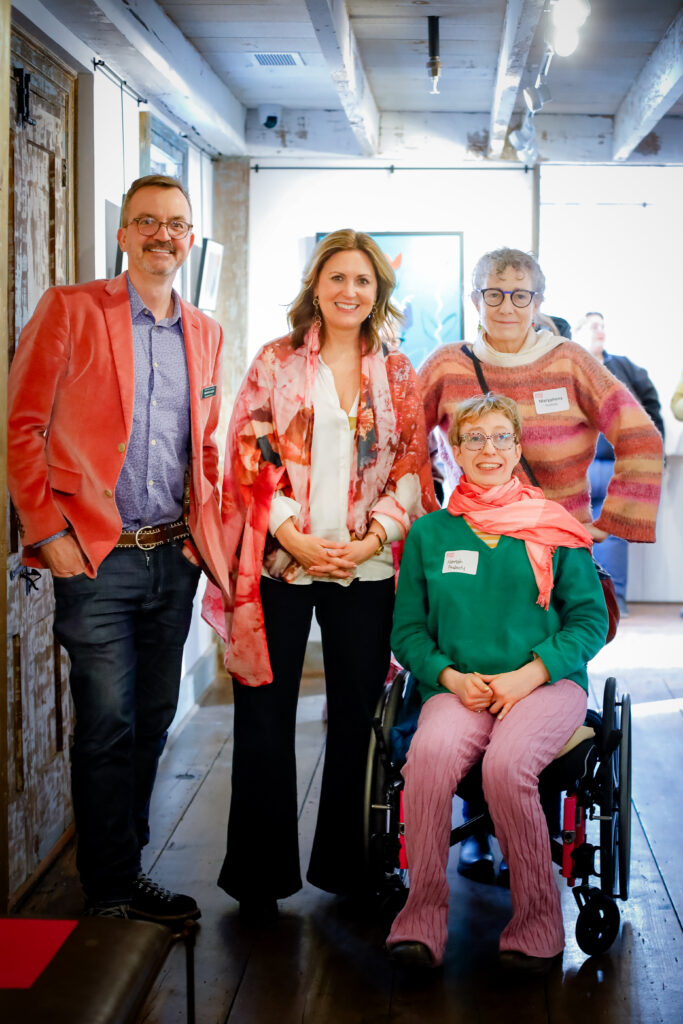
(317, 321)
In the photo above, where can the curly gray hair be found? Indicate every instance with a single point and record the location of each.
(497, 261)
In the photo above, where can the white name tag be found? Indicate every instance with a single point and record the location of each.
(461, 561)
(554, 400)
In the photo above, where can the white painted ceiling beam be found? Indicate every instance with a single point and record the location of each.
(521, 21)
(453, 140)
(337, 41)
(654, 91)
(142, 44)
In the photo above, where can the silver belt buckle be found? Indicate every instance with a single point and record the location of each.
(144, 547)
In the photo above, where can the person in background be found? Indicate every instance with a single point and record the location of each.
(326, 466)
(612, 553)
(498, 610)
(566, 399)
(554, 324)
(677, 410)
(677, 400)
(114, 397)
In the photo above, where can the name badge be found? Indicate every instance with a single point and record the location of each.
(461, 561)
(209, 392)
(554, 400)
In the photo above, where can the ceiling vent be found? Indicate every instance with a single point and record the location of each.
(277, 60)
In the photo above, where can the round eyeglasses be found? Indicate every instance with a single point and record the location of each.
(520, 297)
(475, 441)
(149, 226)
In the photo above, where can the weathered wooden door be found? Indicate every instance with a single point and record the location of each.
(40, 254)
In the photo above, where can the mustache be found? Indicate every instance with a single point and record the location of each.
(166, 246)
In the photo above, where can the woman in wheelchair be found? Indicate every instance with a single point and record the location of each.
(498, 610)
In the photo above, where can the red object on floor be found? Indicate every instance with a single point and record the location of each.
(27, 947)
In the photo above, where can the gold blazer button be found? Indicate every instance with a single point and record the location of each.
(122, 447)
(108, 493)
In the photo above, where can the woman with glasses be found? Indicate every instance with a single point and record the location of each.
(498, 609)
(566, 399)
(326, 465)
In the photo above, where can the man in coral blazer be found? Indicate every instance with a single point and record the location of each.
(114, 397)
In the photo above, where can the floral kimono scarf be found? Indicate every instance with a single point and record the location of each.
(269, 449)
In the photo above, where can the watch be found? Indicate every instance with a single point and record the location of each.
(380, 549)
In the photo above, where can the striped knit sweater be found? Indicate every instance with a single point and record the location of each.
(560, 445)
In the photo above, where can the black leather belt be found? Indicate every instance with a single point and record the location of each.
(149, 537)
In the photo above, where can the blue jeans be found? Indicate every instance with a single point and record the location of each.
(124, 632)
(611, 553)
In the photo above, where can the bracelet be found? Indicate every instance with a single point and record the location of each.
(380, 549)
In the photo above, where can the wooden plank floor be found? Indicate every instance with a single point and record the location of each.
(323, 963)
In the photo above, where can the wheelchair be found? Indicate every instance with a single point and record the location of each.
(593, 770)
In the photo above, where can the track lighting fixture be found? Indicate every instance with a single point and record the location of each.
(567, 17)
(434, 64)
(538, 94)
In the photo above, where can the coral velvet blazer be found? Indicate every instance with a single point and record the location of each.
(70, 413)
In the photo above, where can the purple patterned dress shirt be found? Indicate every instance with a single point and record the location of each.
(150, 488)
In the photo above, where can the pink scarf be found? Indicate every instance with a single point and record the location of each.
(518, 510)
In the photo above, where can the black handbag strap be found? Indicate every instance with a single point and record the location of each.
(479, 370)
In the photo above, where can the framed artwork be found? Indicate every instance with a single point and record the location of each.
(112, 220)
(429, 287)
(208, 278)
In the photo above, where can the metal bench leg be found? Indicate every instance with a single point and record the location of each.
(188, 934)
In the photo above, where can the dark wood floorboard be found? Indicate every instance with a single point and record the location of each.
(323, 961)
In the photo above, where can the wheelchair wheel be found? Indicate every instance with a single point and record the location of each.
(609, 715)
(597, 925)
(624, 799)
(608, 775)
(378, 805)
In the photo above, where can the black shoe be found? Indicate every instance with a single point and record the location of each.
(476, 859)
(259, 910)
(152, 902)
(513, 960)
(120, 910)
(504, 874)
(412, 955)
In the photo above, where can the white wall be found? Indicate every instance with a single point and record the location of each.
(288, 207)
(610, 241)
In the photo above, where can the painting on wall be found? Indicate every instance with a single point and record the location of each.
(208, 278)
(112, 220)
(429, 287)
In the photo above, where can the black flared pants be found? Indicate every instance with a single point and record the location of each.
(262, 858)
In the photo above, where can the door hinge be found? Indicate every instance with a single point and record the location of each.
(23, 80)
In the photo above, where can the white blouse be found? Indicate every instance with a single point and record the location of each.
(331, 458)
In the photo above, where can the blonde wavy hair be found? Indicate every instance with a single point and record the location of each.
(302, 311)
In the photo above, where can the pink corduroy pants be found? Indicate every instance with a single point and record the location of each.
(449, 740)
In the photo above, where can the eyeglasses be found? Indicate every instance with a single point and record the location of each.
(475, 442)
(149, 226)
(521, 297)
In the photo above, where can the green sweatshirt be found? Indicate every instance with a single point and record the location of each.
(464, 604)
